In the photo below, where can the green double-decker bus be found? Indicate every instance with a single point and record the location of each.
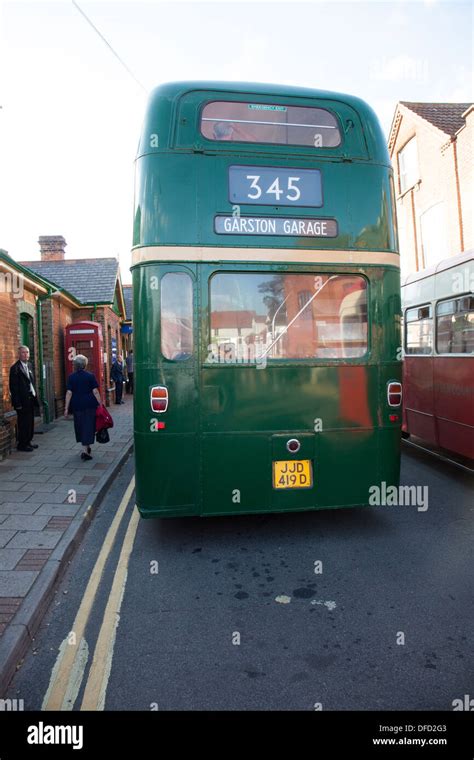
(266, 302)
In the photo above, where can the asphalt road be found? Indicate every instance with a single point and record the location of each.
(229, 613)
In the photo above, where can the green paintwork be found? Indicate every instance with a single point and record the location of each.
(187, 167)
(226, 424)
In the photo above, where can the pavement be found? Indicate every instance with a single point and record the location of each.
(47, 500)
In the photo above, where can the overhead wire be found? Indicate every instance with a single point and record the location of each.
(127, 68)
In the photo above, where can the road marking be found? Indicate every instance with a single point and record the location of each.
(68, 671)
(75, 675)
(99, 673)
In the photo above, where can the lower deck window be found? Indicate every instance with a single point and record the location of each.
(419, 330)
(287, 316)
(176, 316)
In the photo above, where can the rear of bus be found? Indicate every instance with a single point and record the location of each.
(266, 302)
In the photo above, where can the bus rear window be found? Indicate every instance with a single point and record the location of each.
(287, 316)
(274, 124)
(176, 316)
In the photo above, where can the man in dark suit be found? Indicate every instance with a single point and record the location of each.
(116, 373)
(24, 398)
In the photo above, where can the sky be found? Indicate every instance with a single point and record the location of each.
(71, 113)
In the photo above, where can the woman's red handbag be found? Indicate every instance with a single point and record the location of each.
(103, 419)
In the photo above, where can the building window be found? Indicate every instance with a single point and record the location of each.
(303, 297)
(403, 241)
(408, 165)
(433, 234)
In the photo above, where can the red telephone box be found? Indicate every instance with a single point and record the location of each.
(86, 338)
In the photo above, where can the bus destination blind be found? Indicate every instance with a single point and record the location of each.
(226, 224)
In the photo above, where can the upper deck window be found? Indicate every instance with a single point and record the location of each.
(408, 165)
(274, 124)
(455, 326)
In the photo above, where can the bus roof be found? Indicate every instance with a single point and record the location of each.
(441, 266)
(170, 93)
(177, 89)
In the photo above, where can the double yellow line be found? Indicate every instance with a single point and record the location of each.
(68, 672)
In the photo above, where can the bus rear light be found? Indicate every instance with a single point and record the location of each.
(159, 399)
(393, 417)
(394, 394)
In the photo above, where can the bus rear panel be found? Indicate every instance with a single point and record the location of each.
(266, 302)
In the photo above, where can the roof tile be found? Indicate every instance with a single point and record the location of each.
(89, 280)
(445, 116)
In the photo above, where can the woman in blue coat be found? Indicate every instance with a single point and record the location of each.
(82, 399)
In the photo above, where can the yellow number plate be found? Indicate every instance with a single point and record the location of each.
(293, 473)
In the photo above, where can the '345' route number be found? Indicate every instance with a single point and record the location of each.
(275, 188)
(271, 185)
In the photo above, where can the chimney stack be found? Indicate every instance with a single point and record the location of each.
(52, 247)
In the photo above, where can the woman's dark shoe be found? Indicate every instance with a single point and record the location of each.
(85, 457)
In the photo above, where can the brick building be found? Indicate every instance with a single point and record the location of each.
(97, 288)
(28, 303)
(431, 146)
(38, 299)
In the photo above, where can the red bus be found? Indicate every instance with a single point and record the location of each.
(438, 367)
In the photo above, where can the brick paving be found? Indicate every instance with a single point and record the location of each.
(8, 608)
(40, 495)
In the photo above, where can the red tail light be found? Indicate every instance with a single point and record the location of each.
(394, 394)
(159, 398)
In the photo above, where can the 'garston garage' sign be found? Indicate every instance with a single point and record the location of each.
(264, 225)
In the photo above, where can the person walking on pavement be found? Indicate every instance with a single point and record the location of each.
(82, 398)
(130, 371)
(24, 399)
(116, 374)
